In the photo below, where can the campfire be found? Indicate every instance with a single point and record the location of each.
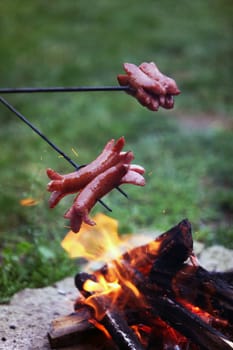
(152, 296)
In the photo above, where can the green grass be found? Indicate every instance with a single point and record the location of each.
(189, 169)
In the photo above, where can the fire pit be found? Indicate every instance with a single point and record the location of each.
(154, 296)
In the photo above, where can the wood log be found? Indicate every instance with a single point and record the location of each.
(121, 333)
(189, 324)
(226, 276)
(74, 329)
(113, 321)
(158, 270)
(166, 252)
(198, 286)
(171, 248)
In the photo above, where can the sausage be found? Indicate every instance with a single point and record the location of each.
(99, 187)
(152, 71)
(109, 170)
(138, 78)
(74, 182)
(149, 86)
(95, 190)
(62, 185)
(133, 178)
(108, 157)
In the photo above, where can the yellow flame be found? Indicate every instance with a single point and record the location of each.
(102, 286)
(97, 243)
(103, 295)
(102, 243)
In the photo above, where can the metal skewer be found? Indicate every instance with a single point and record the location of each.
(63, 89)
(57, 149)
(58, 89)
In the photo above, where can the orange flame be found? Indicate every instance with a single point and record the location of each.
(97, 243)
(112, 286)
(101, 243)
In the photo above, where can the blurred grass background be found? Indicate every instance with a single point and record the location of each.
(187, 152)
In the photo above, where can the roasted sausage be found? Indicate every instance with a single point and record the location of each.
(96, 189)
(62, 185)
(148, 85)
(109, 170)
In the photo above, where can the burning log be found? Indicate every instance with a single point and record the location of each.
(76, 329)
(112, 320)
(189, 324)
(156, 296)
(208, 292)
(121, 333)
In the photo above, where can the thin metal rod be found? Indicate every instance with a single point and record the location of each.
(38, 132)
(63, 89)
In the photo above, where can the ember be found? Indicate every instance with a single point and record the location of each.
(155, 296)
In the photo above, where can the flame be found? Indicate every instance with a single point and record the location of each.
(28, 202)
(97, 243)
(100, 327)
(141, 330)
(102, 244)
(103, 296)
(102, 286)
(204, 315)
(111, 287)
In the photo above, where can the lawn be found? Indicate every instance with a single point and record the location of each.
(187, 152)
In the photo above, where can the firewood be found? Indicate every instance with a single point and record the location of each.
(189, 324)
(121, 333)
(169, 290)
(198, 286)
(171, 248)
(112, 320)
(75, 329)
(226, 276)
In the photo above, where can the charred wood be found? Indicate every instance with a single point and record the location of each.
(189, 324)
(169, 288)
(121, 333)
(226, 276)
(198, 286)
(171, 248)
(112, 320)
